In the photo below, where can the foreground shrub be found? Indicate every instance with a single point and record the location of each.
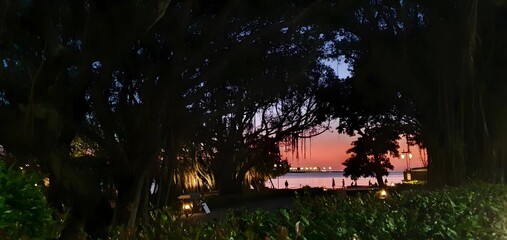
(470, 212)
(24, 212)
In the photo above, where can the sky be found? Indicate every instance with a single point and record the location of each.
(329, 150)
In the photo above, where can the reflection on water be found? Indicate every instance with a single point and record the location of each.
(325, 179)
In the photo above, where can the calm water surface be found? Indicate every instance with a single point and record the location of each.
(325, 179)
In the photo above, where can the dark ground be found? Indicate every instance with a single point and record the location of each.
(269, 200)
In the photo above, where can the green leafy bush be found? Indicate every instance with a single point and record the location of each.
(23, 208)
(470, 212)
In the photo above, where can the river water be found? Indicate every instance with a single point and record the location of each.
(325, 179)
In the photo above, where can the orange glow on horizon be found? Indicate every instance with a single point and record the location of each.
(329, 150)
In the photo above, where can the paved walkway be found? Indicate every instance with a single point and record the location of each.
(270, 203)
(267, 204)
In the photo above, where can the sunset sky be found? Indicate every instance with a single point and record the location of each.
(328, 150)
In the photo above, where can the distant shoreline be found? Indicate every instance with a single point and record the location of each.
(329, 171)
(316, 171)
(324, 179)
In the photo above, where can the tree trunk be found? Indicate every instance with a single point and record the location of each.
(449, 148)
(380, 180)
(138, 194)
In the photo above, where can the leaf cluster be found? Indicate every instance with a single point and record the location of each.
(469, 212)
(24, 211)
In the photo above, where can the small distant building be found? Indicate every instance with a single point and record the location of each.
(415, 174)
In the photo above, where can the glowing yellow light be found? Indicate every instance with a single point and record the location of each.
(46, 181)
(187, 206)
(402, 156)
(410, 155)
(382, 194)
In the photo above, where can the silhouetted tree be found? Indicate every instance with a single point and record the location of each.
(428, 56)
(47, 51)
(371, 151)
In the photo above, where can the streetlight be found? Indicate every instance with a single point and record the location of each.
(277, 177)
(408, 156)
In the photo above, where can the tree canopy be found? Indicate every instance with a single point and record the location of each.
(109, 98)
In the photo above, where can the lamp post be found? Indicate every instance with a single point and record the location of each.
(407, 175)
(408, 156)
(277, 177)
